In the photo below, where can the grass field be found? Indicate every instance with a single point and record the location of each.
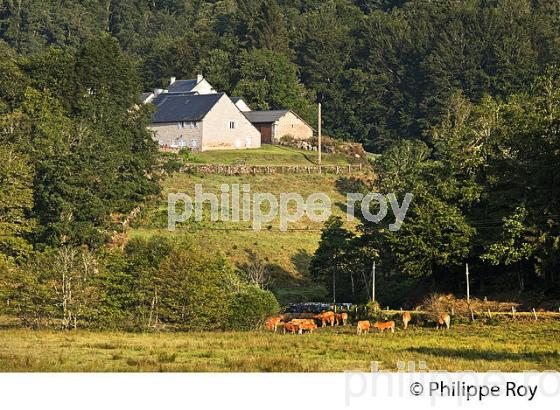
(511, 346)
(287, 254)
(267, 155)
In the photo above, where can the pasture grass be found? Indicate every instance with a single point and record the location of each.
(267, 155)
(510, 346)
(286, 254)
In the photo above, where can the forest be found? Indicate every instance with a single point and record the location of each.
(459, 99)
(383, 69)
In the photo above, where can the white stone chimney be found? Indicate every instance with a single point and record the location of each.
(199, 78)
(172, 80)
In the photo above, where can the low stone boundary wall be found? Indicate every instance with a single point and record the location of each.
(270, 169)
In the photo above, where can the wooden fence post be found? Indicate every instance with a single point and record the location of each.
(472, 314)
(513, 312)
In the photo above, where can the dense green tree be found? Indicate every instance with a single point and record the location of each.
(16, 201)
(269, 81)
(334, 263)
(86, 140)
(436, 233)
(263, 25)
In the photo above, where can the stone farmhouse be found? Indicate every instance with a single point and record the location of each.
(273, 125)
(192, 114)
(201, 123)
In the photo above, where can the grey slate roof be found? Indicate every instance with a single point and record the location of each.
(235, 99)
(183, 107)
(181, 86)
(265, 116)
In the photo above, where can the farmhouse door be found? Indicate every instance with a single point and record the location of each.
(266, 133)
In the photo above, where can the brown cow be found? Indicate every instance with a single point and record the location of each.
(305, 324)
(385, 325)
(293, 328)
(443, 319)
(363, 326)
(308, 325)
(406, 318)
(272, 323)
(300, 321)
(341, 318)
(326, 317)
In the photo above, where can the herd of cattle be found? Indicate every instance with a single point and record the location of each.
(300, 326)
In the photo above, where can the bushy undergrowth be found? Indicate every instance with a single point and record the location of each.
(250, 308)
(155, 284)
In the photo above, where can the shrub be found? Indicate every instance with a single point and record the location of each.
(435, 304)
(172, 166)
(185, 153)
(251, 307)
(194, 291)
(373, 307)
(287, 140)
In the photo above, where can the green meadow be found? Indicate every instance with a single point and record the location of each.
(511, 346)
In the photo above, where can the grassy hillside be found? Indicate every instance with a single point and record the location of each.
(287, 254)
(267, 155)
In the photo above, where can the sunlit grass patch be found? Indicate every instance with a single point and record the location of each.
(511, 346)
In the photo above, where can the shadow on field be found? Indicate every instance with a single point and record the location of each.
(477, 354)
(301, 260)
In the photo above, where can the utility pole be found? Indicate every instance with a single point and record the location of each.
(319, 136)
(468, 286)
(373, 282)
(334, 286)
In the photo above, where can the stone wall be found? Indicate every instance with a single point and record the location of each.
(272, 169)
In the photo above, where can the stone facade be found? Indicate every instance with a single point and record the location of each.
(291, 124)
(217, 131)
(223, 127)
(176, 135)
